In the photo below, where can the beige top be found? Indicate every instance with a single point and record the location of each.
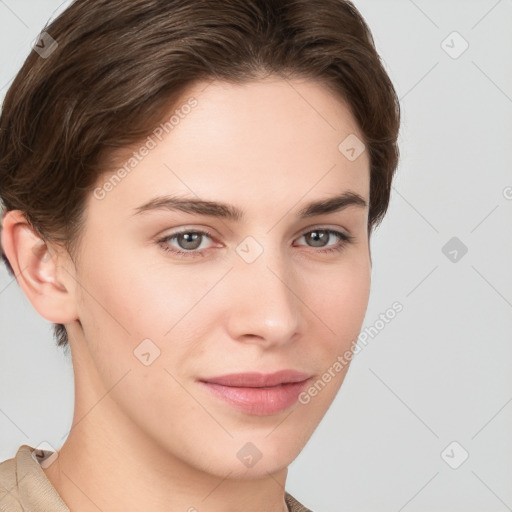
(24, 487)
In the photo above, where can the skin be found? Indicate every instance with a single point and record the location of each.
(150, 437)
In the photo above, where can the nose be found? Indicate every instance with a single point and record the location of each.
(264, 308)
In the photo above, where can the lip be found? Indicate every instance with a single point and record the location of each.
(258, 393)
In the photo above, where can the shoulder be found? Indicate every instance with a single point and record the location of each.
(294, 505)
(9, 497)
(24, 485)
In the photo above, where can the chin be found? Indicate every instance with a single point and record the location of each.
(270, 455)
(249, 459)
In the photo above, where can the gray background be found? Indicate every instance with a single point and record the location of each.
(441, 370)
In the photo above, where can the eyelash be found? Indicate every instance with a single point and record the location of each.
(344, 241)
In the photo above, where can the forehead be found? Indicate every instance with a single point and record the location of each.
(274, 140)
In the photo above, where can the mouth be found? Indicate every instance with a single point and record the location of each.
(256, 393)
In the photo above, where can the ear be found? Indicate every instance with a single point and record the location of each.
(49, 287)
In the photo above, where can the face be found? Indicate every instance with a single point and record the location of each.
(175, 296)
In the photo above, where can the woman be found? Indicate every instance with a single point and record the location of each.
(189, 192)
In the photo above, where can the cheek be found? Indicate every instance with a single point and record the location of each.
(348, 300)
(342, 294)
(117, 306)
(125, 301)
(128, 294)
(339, 299)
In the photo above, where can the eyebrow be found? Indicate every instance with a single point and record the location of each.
(233, 213)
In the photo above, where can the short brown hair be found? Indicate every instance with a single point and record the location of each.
(121, 64)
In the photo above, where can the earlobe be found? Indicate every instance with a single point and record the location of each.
(35, 264)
